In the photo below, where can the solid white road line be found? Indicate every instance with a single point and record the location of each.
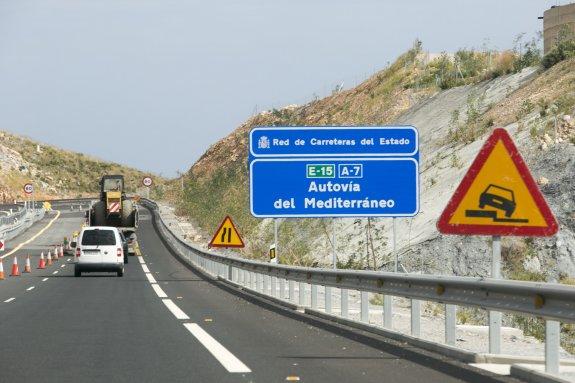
(226, 358)
(44, 280)
(178, 313)
(145, 268)
(30, 288)
(9, 300)
(151, 278)
(159, 291)
(55, 272)
(141, 259)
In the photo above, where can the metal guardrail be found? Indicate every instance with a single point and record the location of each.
(14, 224)
(553, 302)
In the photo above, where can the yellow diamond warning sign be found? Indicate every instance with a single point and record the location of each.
(227, 235)
(498, 196)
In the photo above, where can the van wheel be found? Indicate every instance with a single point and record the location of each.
(120, 273)
(77, 272)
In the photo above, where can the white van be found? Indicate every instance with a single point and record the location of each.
(99, 248)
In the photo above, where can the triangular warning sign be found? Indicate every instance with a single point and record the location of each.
(1, 245)
(227, 235)
(498, 196)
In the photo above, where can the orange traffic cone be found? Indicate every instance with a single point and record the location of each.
(27, 268)
(15, 269)
(1, 270)
(42, 264)
(49, 258)
(62, 251)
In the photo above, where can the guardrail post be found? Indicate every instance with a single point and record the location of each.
(552, 342)
(388, 311)
(301, 300)
(282, 288)
(450, 323)
(314, 296)
(327, 299)
(415, 318)
(259, 282)
(364, 298)
(344, 310)
(292, 291)
(253, 281)
(231, 272)
(273, 286)
(265, 284)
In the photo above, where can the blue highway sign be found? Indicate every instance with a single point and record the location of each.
(334, 171)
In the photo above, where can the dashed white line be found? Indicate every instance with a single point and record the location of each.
(30, 288)
(145, 268)
(55, 272)
(68, 260)
(63, 266)
(159, 291)
(226, 358)
(178, 313)
(151, 278)
(9, 300)
(44, 280)
(141, 259)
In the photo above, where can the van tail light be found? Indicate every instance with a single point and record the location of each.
(77, 252)
(119, 252)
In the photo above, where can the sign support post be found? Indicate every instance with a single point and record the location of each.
(495, 316)
(276, 235)
(333, 244)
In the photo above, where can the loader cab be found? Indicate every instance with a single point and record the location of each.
(111, 183)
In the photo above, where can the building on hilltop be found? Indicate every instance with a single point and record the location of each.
(556, 19)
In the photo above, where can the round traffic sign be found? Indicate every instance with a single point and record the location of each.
(147, 181)
(28, 188)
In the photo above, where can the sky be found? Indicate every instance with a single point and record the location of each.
(153, 83)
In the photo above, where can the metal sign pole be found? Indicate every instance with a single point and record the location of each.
(276, 236)
(333, 244)
(495, 316)
(388, 299)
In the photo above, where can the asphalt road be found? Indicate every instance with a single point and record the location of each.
(163, 322)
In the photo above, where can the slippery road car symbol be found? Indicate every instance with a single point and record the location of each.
(499, 198)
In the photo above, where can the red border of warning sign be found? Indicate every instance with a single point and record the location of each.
(445, 227)
(220, 228)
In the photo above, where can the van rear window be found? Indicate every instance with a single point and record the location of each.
(98, 238)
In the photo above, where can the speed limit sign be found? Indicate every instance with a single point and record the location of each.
(147, 181)
(28, 189)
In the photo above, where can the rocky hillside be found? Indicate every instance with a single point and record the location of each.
(454, 101)
(56, 173)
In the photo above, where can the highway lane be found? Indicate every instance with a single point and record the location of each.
(277, 343)
(101, 327)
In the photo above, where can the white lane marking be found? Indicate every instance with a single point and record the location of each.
(178, 313)
(226, 358)
(159, 291)
(33, 238)
(151, 278)
(44, 280)
(30, 288)
(55, 272)
(63, 266)
(141, 259)
(9, 300)
(68, 260)
(145, 268)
